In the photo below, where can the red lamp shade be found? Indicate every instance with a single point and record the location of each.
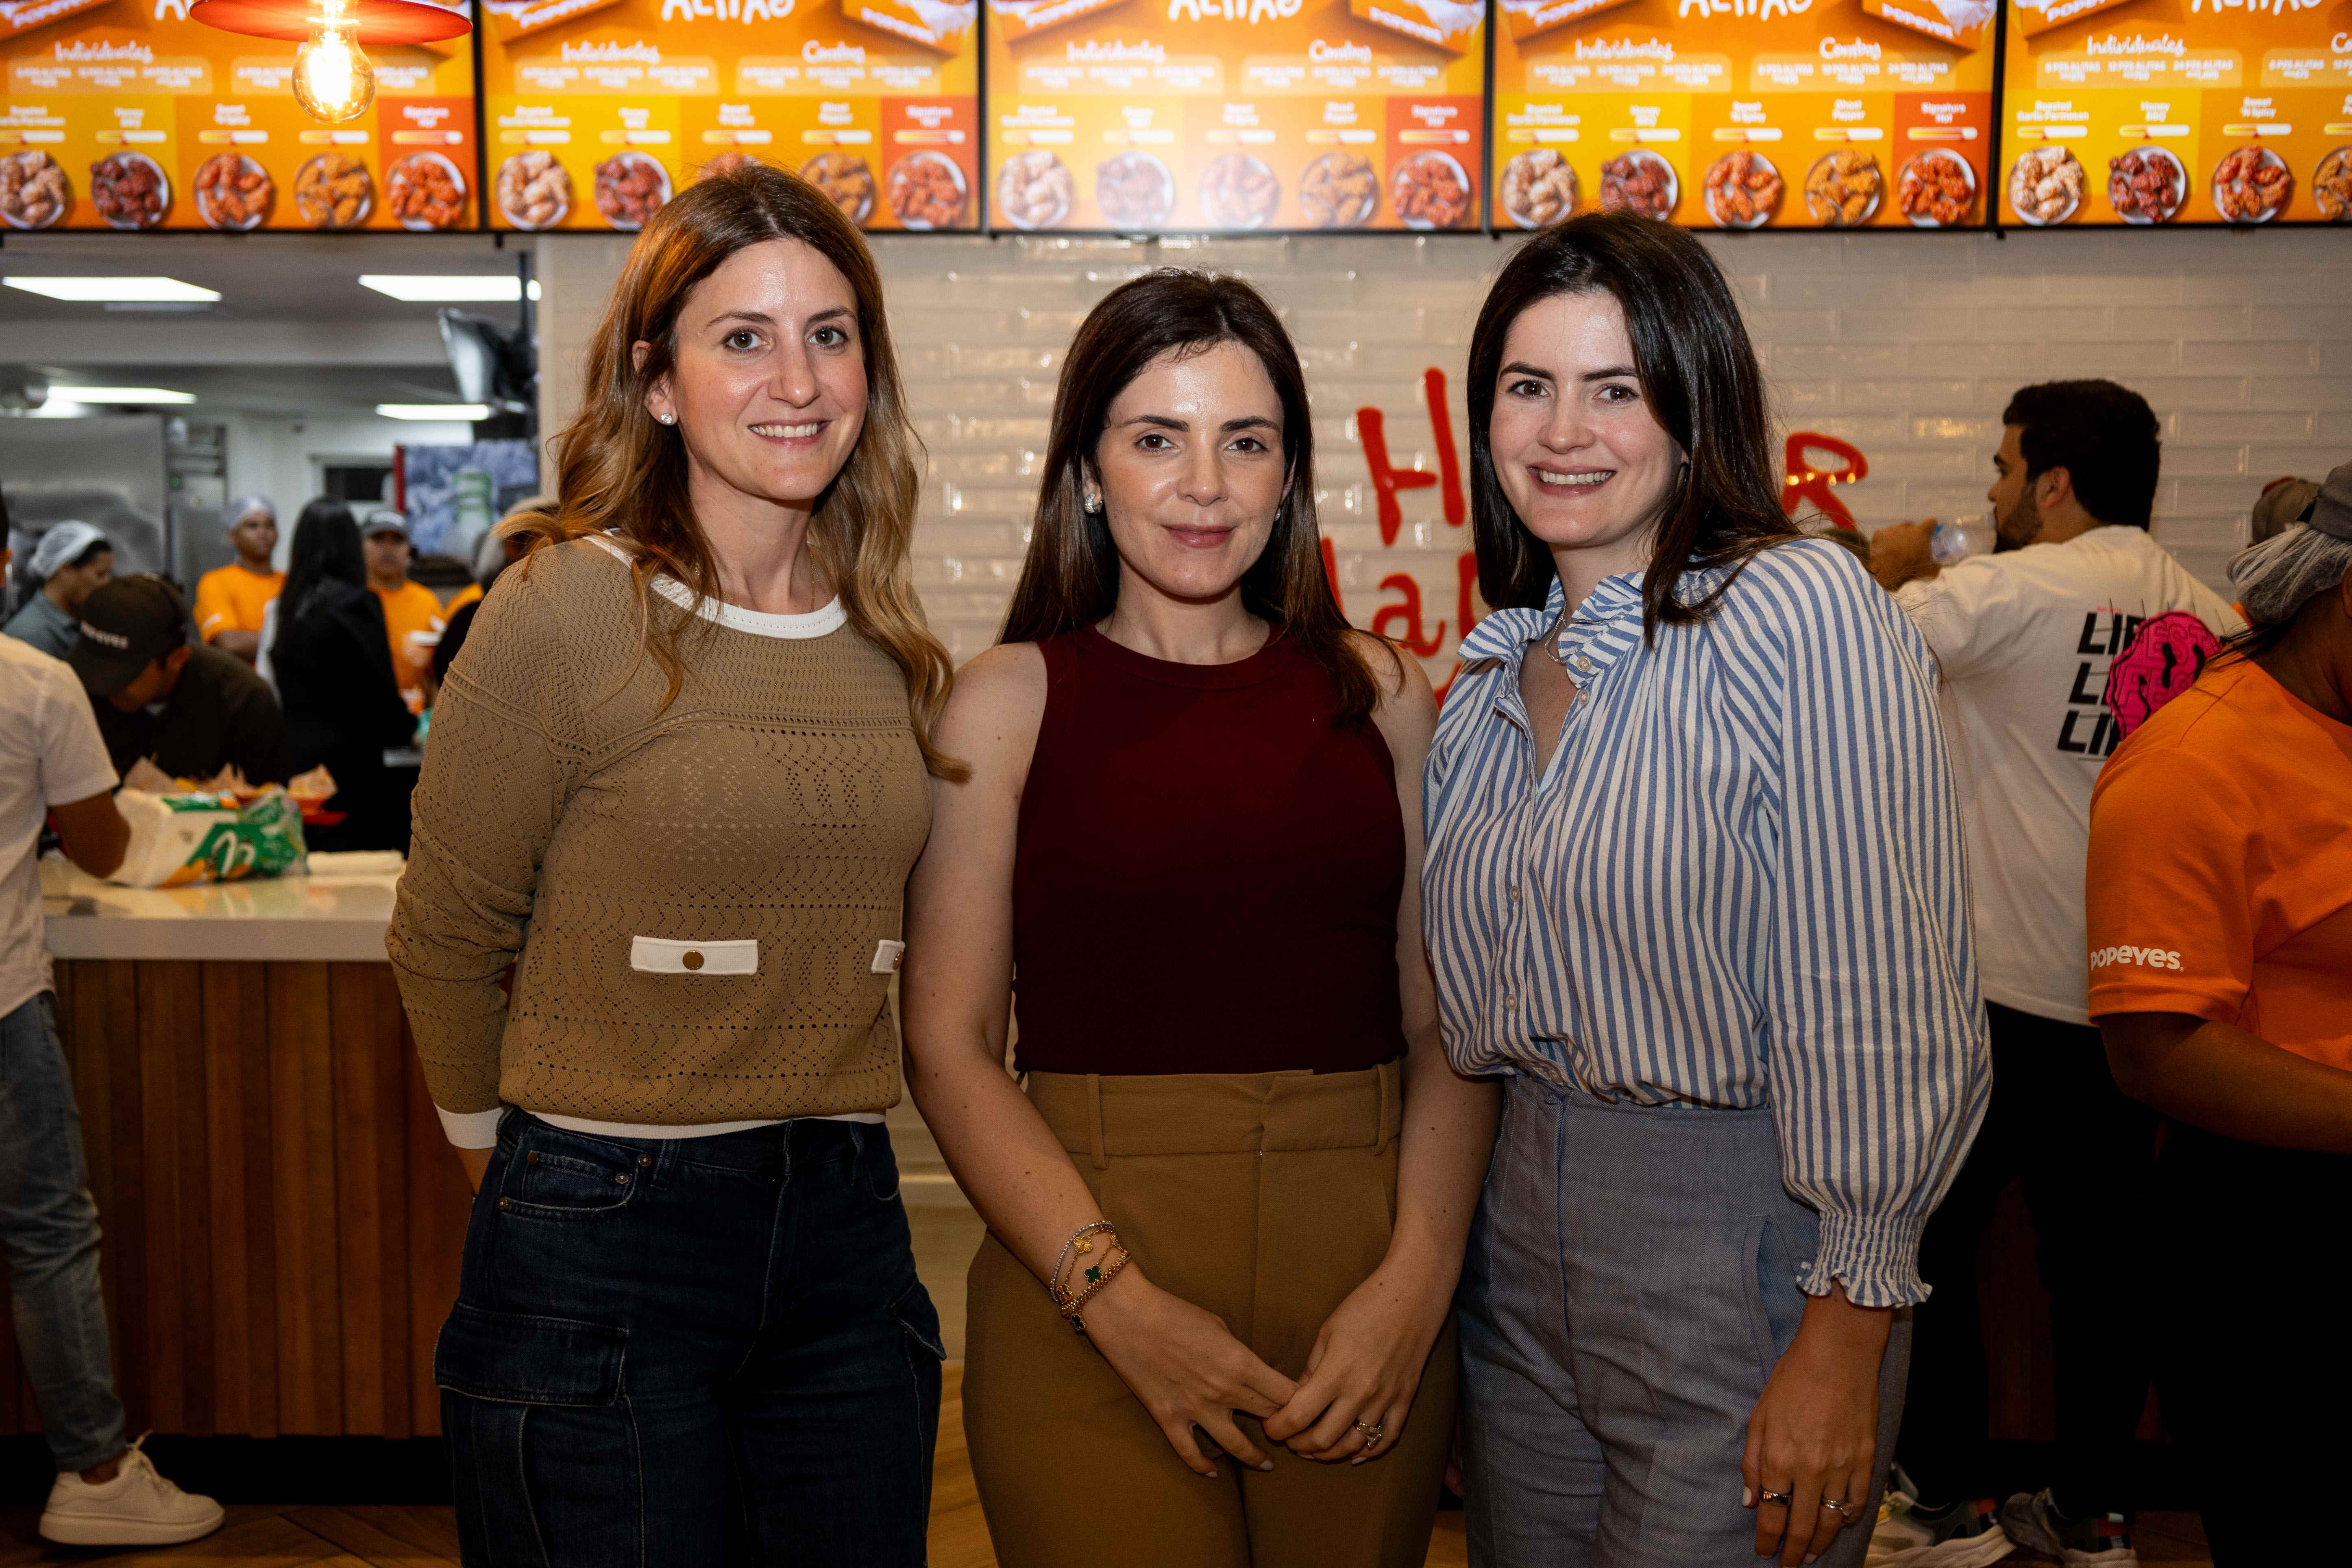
(377, 21)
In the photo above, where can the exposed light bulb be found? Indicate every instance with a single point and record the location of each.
(332, 79)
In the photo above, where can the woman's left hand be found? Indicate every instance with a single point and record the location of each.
(1815, 1434)
(1366, 1367)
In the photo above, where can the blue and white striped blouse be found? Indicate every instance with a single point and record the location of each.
(1739, 882)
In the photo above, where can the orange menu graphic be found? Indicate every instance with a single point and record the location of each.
(1745, 113)
(1143, 115)
(2142, 111)
(595, 112)
(125, 114)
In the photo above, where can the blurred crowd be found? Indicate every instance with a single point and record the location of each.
(331, 660)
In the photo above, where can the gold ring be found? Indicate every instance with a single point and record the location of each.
(1372, 1432)
(1780, 1498)
(1844, 1510)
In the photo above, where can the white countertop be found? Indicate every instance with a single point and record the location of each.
(337, 914)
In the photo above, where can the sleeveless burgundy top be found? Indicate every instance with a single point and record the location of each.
(1208, 870)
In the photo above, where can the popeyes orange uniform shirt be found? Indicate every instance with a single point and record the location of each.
(2220, 866)
(230, 599)
(413, 622)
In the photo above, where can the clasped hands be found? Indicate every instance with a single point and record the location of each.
(1187, 1368)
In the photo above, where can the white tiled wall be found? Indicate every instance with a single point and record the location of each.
(1906, 346)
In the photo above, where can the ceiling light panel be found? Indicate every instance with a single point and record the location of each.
(110, 291)
(117, 394)
(476, 289)
(454, 413)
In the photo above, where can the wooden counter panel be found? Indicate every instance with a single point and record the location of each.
(281, 1218)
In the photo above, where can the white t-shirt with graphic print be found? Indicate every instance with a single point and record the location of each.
(2024, 638)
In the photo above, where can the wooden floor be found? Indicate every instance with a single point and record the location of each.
(296, 1536)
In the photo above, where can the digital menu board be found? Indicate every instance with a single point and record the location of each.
(1223, 115)
(2140, 111)
(597, 111)
(126, 114)
(1745, 113)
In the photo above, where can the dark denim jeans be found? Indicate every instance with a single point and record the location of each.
(695, 1351)
(49, 1227)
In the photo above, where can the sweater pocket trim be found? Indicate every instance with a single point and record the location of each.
(659, 955)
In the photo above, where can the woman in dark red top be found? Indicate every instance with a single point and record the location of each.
(1190, 849)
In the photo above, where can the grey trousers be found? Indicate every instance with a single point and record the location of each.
(1631, 1281)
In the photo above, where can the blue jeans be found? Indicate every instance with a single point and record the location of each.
(697, 1350)
(49, 1223)
(1630, 1283)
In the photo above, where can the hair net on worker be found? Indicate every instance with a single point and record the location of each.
(244, 507)
(2286, 572)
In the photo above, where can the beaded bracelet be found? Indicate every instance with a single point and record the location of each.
(1098, 1277)
(1078, 1244)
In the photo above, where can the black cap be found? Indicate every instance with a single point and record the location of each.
(126, 626)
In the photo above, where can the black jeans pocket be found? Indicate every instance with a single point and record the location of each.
(550, 1173)
(542, 1442)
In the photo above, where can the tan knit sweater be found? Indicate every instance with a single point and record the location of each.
(701, 903)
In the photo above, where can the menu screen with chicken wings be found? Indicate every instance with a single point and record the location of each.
(1745, 113)
(2147, 111)
(595, 112)
(1135, 116)
(125, 114)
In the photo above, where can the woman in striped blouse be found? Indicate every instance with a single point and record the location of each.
(1694, 882)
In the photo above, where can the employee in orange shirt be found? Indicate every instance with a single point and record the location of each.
(413, 616)
(2220, 899)
(232, 599)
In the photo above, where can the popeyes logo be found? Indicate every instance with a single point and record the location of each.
(1814, 466)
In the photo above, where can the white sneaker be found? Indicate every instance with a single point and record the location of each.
(1964, 1536)
(137, 1507)
(2099, 1541)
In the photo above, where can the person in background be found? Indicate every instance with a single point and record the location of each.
(343, 706)
(165, 699)
(53, 765)
(2220, 957)
(72, 561)
(413, 616)
(233, 600)
(2025, 637)
(1695, 884)
(501, 549)
(2281, 505)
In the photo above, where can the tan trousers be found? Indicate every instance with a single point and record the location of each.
(1265, 1199)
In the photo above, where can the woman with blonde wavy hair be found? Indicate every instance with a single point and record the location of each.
(677, 778)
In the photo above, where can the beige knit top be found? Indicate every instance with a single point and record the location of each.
(702, 903)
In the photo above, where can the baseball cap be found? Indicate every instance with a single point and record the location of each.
(383, 519)
(2331, 510)
(125, 626)
(63, 544)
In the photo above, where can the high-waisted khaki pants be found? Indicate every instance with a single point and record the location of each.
(1266, 1199)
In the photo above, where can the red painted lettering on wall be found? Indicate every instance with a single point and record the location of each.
(1388, 478)
(1804, 482)
(1409, 612)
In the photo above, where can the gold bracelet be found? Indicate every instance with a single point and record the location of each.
(1076, 1244)
(1098, 1277)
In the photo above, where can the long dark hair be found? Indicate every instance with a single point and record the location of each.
(617, 471)
(1070, 578)
(326, 550)
(1698, 372)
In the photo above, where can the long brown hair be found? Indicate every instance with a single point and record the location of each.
(1070, 578)
(1698, 372)
(620, 471)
